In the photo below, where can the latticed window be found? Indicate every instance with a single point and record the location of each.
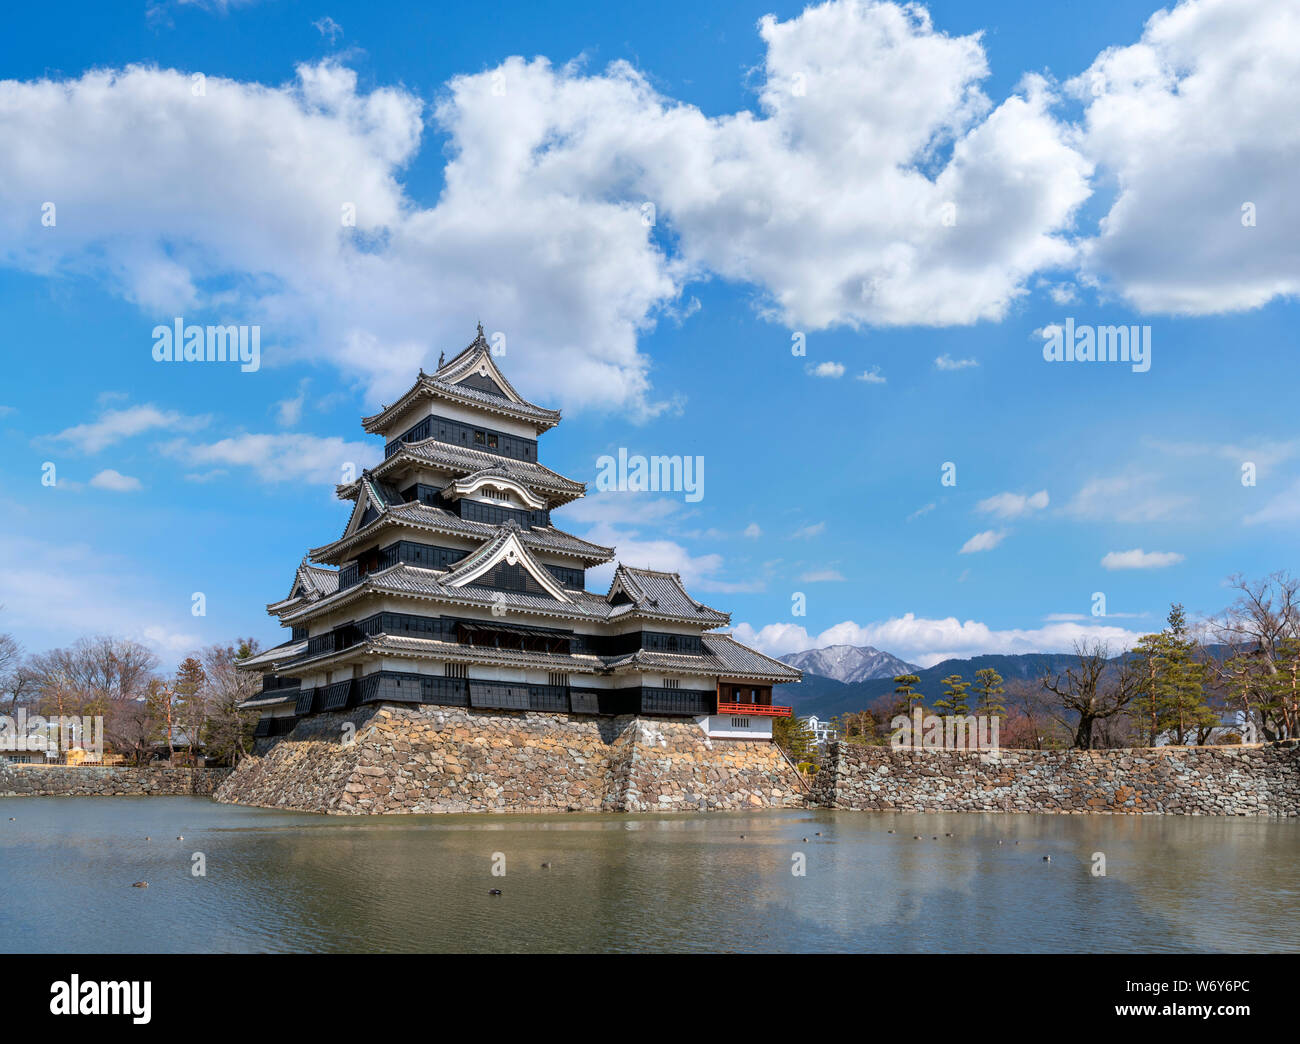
(672, 683)
(455, 670)
(555, 678)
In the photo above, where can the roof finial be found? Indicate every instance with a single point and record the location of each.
(440, 358)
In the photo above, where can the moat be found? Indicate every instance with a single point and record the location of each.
(619, 883)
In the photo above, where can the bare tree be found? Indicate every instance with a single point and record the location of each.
(1093, 690)
(230, 730)
(1260, 676)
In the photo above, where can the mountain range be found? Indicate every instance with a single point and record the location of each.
(849, 663)
(842, 678)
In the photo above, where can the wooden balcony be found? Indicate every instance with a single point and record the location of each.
(761, 709)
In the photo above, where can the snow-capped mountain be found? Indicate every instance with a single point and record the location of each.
(849, 663)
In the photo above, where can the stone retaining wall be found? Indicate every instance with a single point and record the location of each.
(1237, 780)
(422, 759)
(108, 781)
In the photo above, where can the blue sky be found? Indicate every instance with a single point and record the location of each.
(1095, 165)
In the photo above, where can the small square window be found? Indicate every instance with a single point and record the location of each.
(492, 442)
(479, 438)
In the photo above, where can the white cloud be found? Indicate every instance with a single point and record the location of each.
(698, 572)
(115, 481)
(874, 119)
(985, 541)
(826, 369)
(1124, 498)
(928, 641)
(288, 412)
(1193, 121)
(278, 458)
(1013, 505)
(1139, 559)
(809, 531)
(818, 576)
(947, 362)
(923, 510)
(871, 376)
(112, 426)
(329, 28)
(1283, 508)
(752, 531)
(54, 593)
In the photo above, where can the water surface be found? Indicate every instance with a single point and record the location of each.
(278, 881)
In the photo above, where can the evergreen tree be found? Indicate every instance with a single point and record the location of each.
(989, 690)
(794, 737)
(191, 700)
(1171, 696)
(908, 698)
(954, 696)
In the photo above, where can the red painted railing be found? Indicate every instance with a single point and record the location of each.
(761, 709)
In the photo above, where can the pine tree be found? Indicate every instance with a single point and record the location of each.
(794, 737)
(954, 696)
(1171, 687)
(988, 688)
(908, 698)
(191, 698)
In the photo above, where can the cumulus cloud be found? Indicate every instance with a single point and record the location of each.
(985, 541)
(112, 426)
(278, 458)
(115, 481)
(826, 369)
(284, 205)
(1197, 120)
(1139, 559)
(1013, 505)
(871, 376)
(947, 362)
(928, 641)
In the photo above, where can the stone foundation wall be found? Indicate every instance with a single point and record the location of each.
(424, 759)
(1253, 780)
(109, 781)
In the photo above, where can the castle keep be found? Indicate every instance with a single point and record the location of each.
(453, 618)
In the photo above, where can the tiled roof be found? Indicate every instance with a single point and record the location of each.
(417, 513)
(466, 461)
(724, 657)
(310, 584)
(525, 472)
(416, 580)
(267, 658)
(404, 645)
(661, 594)
(741, 659)
(273, 699)
(443, 384)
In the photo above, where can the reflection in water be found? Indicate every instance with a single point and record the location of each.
(289, 882)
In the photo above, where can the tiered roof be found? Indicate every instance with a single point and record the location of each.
(311, 583)
(648, 596)
(470, 379)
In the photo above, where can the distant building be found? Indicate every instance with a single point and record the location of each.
(823, 731)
